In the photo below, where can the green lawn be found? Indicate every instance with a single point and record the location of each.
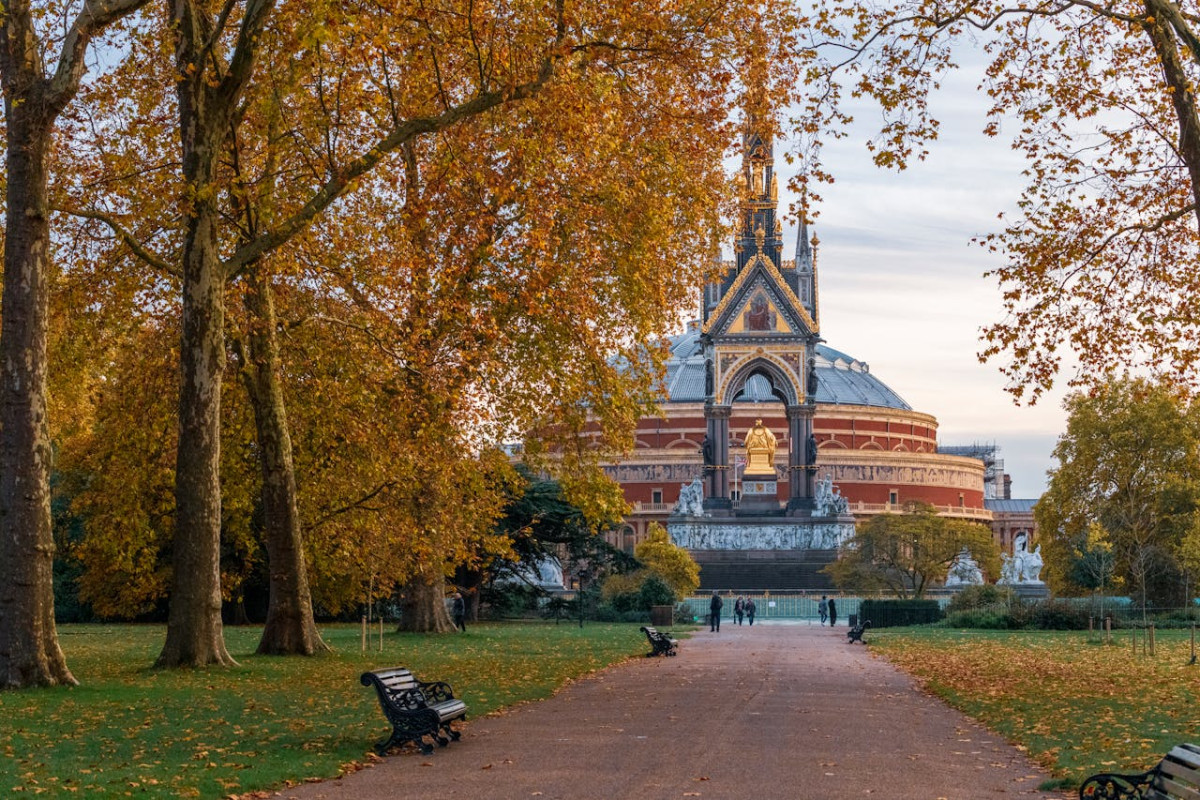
(129, 730)
(1077, 705)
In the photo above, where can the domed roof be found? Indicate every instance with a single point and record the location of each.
(841, 379)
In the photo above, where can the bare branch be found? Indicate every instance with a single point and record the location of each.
(139, 250)
(94, 15)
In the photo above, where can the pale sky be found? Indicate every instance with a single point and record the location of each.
(902, 287)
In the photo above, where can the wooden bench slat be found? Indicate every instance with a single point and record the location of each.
(1177, 790)
(1186, 756)
(1176, 777)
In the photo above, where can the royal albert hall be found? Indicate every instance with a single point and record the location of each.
(756, 353)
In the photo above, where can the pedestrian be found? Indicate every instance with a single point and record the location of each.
(739, 609)
(750, 609)
(832, 613)
(823, 609)
(459, 609)
(714, 612)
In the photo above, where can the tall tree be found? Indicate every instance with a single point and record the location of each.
(33, 102)
(600, 75)
(1129, 463)
(1101, 100)
(906, 553)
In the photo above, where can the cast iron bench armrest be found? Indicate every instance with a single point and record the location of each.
(1176, 777)
(415, 709)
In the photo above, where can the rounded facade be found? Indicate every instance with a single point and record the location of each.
(879, 452)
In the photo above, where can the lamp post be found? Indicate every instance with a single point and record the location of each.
(584, 575)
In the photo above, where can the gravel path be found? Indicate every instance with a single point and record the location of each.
(762, 712)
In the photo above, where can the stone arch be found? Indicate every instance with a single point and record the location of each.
(872, 445)
(782, 381)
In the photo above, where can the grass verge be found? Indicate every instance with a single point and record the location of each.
(129, 730)
(1076, 704)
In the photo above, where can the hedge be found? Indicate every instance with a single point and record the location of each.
(890, 613)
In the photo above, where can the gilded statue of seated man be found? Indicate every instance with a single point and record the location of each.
(760, 451)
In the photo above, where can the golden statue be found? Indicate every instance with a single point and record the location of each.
(760, 452)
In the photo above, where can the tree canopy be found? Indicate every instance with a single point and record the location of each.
(907, 553)
(1100, 98)
(1127, 480)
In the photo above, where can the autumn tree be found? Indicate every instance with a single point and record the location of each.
(599, 80)
(1128, 463)
(34, 99)
(1101, 100)
(672, 563)
(906, 553)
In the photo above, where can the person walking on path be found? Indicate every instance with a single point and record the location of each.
(459, 609)
(739, 610)
(714, 612)
(823, 609)
(750, 609)
(832, 613)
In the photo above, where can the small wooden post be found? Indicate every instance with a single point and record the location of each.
(364, 633)
(1133, 638)
(381, 633)
(1108, 630)
(1151, 638)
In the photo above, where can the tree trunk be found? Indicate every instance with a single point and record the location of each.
(29, 650)
(290, 628)
(194, 633)
(423, 606)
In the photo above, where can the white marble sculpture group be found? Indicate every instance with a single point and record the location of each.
(691, 500)
(1024, 566)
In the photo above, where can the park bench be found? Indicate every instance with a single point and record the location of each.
(855, 634)
(415, 708)
(663, 645)
(1177, 777)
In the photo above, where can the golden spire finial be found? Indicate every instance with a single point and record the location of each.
(759, 237)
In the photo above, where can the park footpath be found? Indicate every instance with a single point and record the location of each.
(771, 711)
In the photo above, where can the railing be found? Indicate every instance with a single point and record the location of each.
(898, 508)
(855, 508)
(786, 605)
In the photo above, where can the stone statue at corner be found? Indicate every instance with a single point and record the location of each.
(964, 571)
(691, 500)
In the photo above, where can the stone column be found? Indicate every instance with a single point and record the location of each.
(717, 483)
(800, 476)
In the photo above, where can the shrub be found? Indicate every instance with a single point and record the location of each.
(655, 592)
(984, 596)
(995, 618)
(1056, 615)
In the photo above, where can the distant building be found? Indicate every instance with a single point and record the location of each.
(755, 352)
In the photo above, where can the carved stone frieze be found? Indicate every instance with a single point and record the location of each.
(733, 534)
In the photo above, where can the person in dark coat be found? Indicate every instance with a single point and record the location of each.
(832, 613)
(714, 615)
(750, 609)
(459, 609)
(739, 610)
